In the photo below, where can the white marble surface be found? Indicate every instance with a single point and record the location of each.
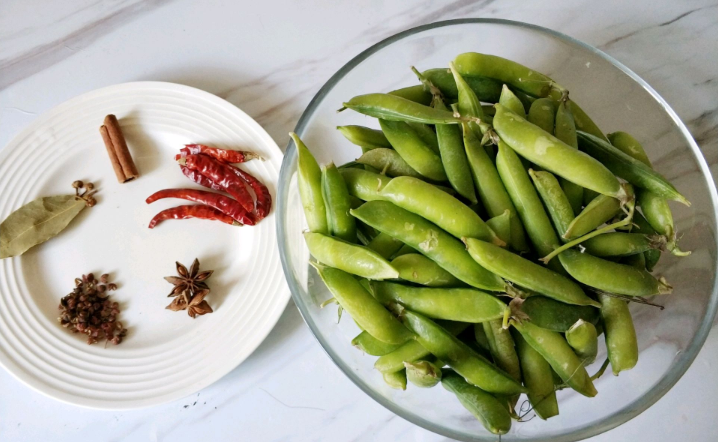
(269, 58)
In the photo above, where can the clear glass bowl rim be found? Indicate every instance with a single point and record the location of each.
(620, 416)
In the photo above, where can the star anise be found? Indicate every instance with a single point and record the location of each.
(189, 290)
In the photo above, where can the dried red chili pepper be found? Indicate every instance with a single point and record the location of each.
(224, 204)
(221, 174)
(192, 211)
(200, 179)
(226, 155)
(264, 198)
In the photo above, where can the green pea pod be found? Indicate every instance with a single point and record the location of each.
(512, 102)
(542, 113)
(555, 200)
(611, 276)
(603, 208)
(453, 157)
(554, 348)
(659, 216)
(417, 94)
(429, 240)
(508, 72)
(336, 198)
(413, 350)
(501, 225)
(528, 205)
(387, 161)
(557, 316)
(363, 308)
(622, 244)
(364, 137)
(621, 341)
(588, 196)
(472, 366)
(396, 380)
(395, 108)
(423, 374)
(538, 378)
(492, 193)
(427, 135)
(584, 122)
(502, 348)
(419, 269)
(638, 261)
(371, 345)
(363, 184)
(413, 150)
(469, 104)
(492, 414)
(385, 245)
(351, 258)
(552, 154)
(525, 98)
(629, 168)
(457, 304)
(583, 338)
(309, 178)
(526, 273)
(444, 210)
(629, 145)
(565, 130)
(487, 90)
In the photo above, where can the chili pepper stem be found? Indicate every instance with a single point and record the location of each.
(182, 161)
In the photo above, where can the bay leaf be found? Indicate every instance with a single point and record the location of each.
(36, 222)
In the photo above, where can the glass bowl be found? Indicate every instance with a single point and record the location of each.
(617, 99)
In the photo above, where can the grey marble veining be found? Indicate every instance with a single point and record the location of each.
(270, 58)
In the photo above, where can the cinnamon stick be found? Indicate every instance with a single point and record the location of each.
(120, 157)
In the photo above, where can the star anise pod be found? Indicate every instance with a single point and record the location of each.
(189, 290)
(198, 306)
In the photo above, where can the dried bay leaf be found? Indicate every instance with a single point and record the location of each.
(36, 222)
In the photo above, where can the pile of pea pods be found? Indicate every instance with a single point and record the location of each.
(487, 236)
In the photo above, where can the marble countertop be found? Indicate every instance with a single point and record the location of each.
(269, 58)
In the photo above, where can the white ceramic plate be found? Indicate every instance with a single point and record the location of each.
(166, 355)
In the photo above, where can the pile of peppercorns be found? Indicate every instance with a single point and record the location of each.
(89, 310)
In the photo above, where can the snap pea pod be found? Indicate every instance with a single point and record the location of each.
(309, 179)
(457, 304)
(492, 193)
(385, 245)
(351, 258)
(469, 364)
(444, 210)
(554, 348)
(542, 113)
(508, 72)
(552, 154)
(419, 269)
(363, 184)
(417, 94)
(395, 108)
(468, 104)
(583, 338)
(630, 146)
(555, 200)
(621, 341)
(658, 214)
(396, 380)
(526, 273)
(538, 378)
(611, 276)
(501, 225)
(423, 373)
(511, 102)
(623, 244)
(603, 208)
(371, 345)
(413, 150)
(628, 168)
(487, 90)
(453, 157)
(502, 348)
(557, 316)
(638, 261)
(429, 240)
(413, 350)
(488, 410)
(525, 98)
(363, 308)
(427, 135)
(565, 131)
(584, 122)
(365, 137)
(337, 201)
(387, 161)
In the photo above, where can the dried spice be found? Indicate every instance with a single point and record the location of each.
(189, 290)
(42, 219)
(89, 310)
